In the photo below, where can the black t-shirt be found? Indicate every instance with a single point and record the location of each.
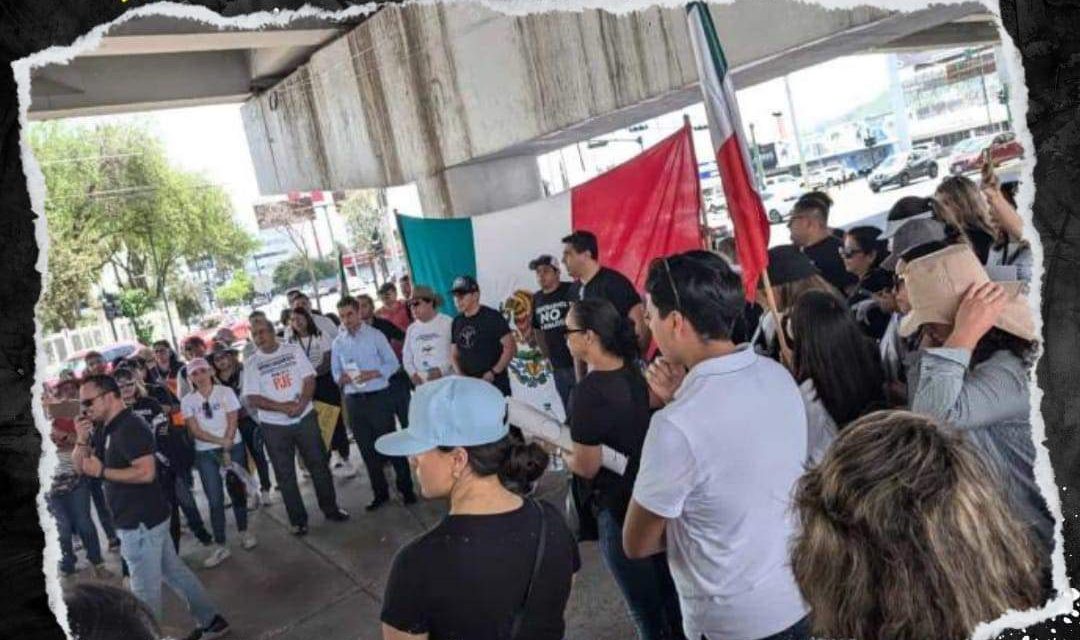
(478, 341)
(128, 437)
(826, 257)
(175, 447)
(612, 286)
(612, 408)
(162, 395)
(466, 578)
(549, 316)
(392, 333)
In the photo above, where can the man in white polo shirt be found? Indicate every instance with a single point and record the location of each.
(719, 462)
(279, 381)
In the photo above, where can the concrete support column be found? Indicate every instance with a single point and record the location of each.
(480, 187)
(899, 104)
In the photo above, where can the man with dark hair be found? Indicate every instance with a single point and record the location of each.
(483, 344)
(118, 447)
(326, 325)
(362, 363)
(719, 462)
(95, 364)
(405, 285)
(582, 258)
(551, 304)
(400, 385)
(809, 227)
(393, 309)
(279, 382)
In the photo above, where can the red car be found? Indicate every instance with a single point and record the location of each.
(967, 155)
(76, 362)
(240, 328)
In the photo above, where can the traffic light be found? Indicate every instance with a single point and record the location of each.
(1003, 95)
(870, 141)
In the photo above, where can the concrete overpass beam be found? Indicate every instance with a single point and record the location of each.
(481, 187)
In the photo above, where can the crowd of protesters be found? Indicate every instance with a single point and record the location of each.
(856, 462)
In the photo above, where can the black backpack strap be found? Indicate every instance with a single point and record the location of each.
(541, 544)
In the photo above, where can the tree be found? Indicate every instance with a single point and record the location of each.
(238, 290)
(113, 198)
(293, 273)
(134, 305)
(185, 295)
(365, 216)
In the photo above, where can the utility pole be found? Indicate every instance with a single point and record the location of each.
(795, 129)
(164, 290)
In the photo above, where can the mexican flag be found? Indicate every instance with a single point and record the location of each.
(751, 227)
(647, 207)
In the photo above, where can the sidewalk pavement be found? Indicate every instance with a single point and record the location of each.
(328, 585)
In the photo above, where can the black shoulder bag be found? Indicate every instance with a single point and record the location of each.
(519, 615)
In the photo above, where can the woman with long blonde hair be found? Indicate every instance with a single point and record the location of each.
(905, 534)
(982, 218)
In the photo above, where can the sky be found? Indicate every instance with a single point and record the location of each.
(211, 139)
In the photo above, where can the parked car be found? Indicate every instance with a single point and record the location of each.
(828, 176)
(966, 155)
(76, 362)
(901, 168)
(1005, 147)
(930, 148)
(785, 187)
(209, 327)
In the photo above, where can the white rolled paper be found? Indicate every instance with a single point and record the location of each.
(547, 427)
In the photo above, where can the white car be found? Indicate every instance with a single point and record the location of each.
(827, 176)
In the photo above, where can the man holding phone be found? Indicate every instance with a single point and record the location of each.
(116, 446)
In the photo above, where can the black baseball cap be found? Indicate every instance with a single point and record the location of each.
(464, 284)
(788, 264)
(543, 261)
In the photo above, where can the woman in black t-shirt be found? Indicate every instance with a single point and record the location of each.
(498, 567)
(610, 407)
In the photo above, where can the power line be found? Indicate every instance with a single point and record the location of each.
(82, 158)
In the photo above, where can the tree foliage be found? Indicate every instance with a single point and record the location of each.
(238, 290)
(187, 299)
(293, 273)
(365, 217)
(114, 199)
(134, 305)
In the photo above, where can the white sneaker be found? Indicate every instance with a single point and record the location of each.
(217, 556)
(266, 498)
(346, 470)
(252, 501)
(248, 541)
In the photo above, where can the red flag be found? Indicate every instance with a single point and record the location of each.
(647, 207)
(744, 202)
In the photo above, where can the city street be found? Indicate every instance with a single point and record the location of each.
(855, 204)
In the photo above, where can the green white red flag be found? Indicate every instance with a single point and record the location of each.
(744, 202)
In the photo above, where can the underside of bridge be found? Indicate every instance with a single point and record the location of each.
(456, 97)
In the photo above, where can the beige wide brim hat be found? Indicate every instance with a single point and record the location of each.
(936, 283)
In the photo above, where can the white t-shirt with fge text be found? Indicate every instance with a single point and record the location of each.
(278, 376)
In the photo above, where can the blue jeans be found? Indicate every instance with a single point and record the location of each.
(72, 512)
(209, 465)
(151, 559)
(97, 493)
(646, 584)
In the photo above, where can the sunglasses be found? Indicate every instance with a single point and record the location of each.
(207, 410)
(89, 402)
(849, 253)
(418, 301)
